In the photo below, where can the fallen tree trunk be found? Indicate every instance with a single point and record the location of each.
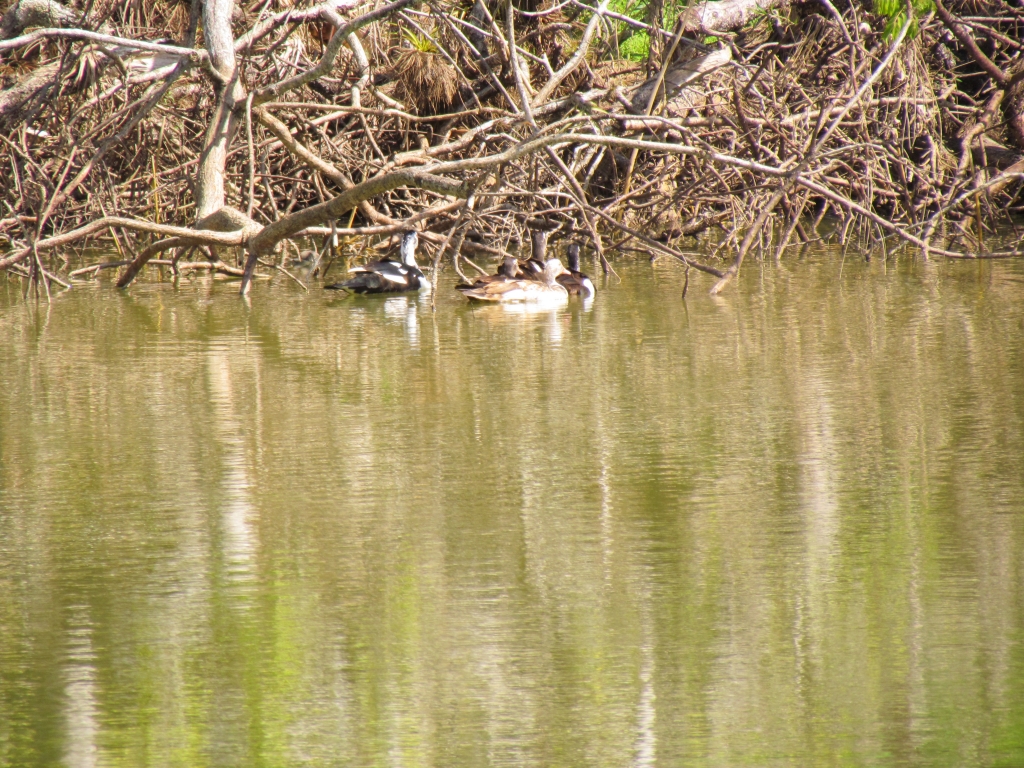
(36, 13)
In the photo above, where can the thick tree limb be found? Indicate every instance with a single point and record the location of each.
(35, 13)
(209, 237)
(677, 77)
(31, 90)
(192, 54)
(209, 189)
(148, 253)
(287, 226)
(725, 15)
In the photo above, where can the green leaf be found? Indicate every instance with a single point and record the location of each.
(893, 26)
(419, 42)
(636, 47)
(887, 8)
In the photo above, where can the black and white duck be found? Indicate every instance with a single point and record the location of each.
(388, 275)
(574, 281)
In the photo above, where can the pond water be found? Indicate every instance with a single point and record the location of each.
(784, 526)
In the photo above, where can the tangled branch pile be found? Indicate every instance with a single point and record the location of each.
(744, 122)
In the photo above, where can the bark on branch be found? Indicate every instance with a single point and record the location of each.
(35, 13)
(725, 15)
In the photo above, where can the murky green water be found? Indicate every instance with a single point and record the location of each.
(782, 527)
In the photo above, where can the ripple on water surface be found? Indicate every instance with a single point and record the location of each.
(779, 527)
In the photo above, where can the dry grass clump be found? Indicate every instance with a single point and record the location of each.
(425, 78)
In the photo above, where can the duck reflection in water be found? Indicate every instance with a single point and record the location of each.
(404, 308)
(524, 320)
(305, 264)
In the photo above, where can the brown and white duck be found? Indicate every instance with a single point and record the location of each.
(547, 291)
(509, 270)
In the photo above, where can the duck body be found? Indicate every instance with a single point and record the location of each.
(574, 281)
(509, 270)
(516, 291)
(307, 262)
(388, 275)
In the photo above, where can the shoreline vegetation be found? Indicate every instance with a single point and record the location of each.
(218, 135)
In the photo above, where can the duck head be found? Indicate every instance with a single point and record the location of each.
(509, 268)
(552, 269)
(408, 248)
(539, 240)
(573, 257)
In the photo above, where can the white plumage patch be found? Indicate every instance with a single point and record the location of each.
(400, 279)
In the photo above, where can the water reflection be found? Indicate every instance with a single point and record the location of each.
(782, 526)
(405, 309)
(239, 516)
(80, 705)
(818, 498)
(524, 317)
(647, 717)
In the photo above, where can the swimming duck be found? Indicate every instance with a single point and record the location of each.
(306, 262)
(574, 281)
(388, 275)
(546, 291)
(509, 270)
(533, 268)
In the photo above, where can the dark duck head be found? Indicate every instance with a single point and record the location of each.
(534, 266)
(573, 257)
(574, 281)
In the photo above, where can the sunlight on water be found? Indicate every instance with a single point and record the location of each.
(784, 526)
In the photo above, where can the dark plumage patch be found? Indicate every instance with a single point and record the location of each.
(386, 276)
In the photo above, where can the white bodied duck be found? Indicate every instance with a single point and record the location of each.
(546, 290)
(388, 275)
